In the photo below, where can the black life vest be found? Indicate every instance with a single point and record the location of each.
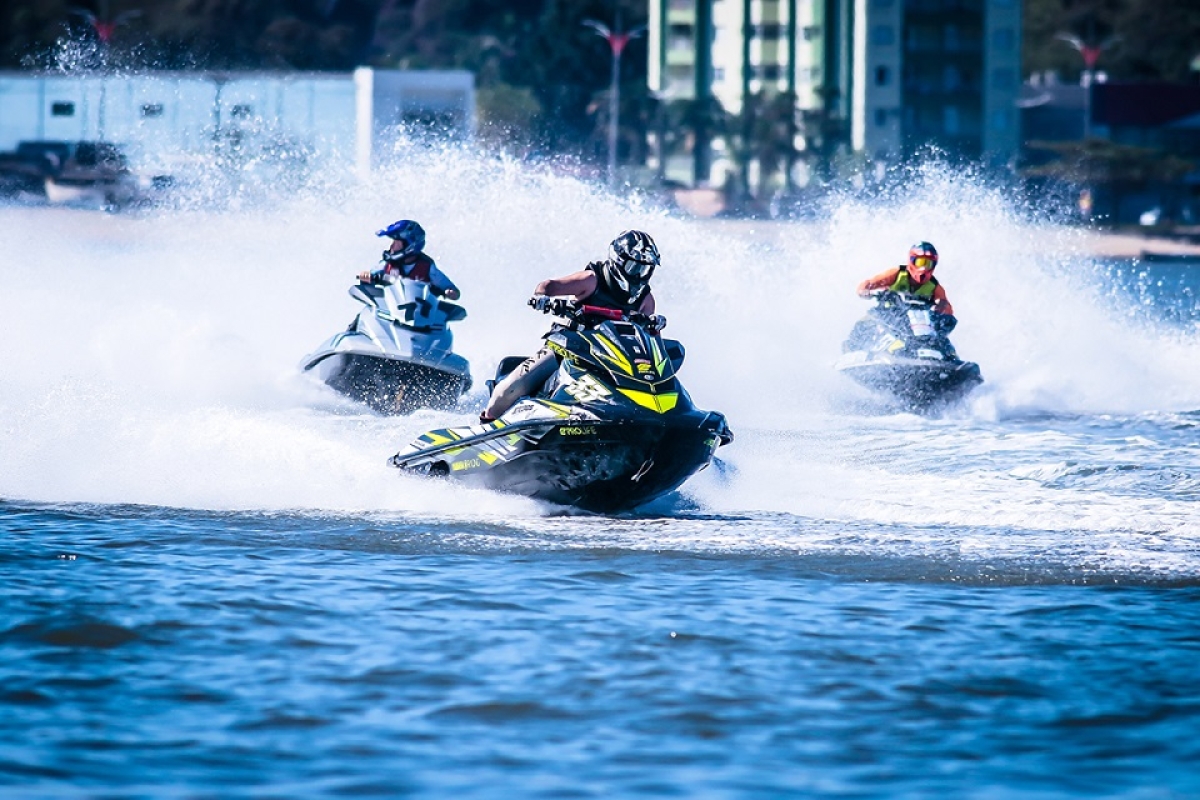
(607, 295)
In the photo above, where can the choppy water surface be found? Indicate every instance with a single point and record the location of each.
(213, 585)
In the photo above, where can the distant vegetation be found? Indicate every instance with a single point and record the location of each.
(1151, 40)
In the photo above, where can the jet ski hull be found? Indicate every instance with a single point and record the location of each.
(601, 466)
(397, 356)
(391, 385)
(915, 383)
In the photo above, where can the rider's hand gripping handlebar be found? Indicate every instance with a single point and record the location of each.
(558, 306)
(566, 307)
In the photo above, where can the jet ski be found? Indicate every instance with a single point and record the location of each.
(897, 350)
(397, 355)
(612, 429)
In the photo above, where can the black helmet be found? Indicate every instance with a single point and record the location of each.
(632, 257)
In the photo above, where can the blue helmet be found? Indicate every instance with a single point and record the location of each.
(408, 230)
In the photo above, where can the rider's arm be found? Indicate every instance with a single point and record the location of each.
(384, 275)
(440, 284)
(647, 306)
(881, 281)
(940, 304)
(579, 284)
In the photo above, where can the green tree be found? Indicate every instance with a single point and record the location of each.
(1118, 167)
(1141, 39)
(762, 134)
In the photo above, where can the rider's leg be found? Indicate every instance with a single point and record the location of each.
(522, 381)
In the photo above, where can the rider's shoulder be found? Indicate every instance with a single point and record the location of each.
(582, 275)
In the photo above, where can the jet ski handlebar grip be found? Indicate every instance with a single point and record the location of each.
(600, 311)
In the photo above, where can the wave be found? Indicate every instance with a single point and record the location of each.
(152, 358)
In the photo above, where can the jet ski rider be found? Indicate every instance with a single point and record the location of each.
(916, 279)
(405, 259)
(622, 282)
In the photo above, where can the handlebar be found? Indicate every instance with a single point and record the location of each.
(885, 295)
(565, 307)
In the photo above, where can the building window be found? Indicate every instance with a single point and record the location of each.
(881, 116)
(718, 74)
(62, 109)
(812, 33)
(680, 37)
(769, 30)
(768, 72)
(951, 78)
(883, 35)
(883, 76)
(953, 39)
(951, 122)
(1004, 39)
(151, 110)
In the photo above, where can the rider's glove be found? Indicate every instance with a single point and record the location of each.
(656, 323)
(539, 302)
(944, 323)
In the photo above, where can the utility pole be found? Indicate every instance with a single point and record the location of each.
(617, 39)
(792, 31)
(702, 155)
(104, 26)
(1091, 55)
(748, 107)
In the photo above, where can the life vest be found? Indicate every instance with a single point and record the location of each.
(904, 285)
(608, 296)
(416, 271)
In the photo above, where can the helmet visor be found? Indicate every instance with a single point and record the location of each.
(923, 262)
(637, 270)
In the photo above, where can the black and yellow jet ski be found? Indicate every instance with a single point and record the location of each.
(612, 429)
(900, 351)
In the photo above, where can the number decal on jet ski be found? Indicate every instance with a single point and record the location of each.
(587, 389)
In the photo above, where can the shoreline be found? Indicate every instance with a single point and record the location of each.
(1097, 242)
(1125, 245)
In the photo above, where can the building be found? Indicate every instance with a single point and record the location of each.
(901, 76)
(162, 117)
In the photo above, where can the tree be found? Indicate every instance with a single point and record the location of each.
(1146, 39)
(1119, 168)
(763, 136)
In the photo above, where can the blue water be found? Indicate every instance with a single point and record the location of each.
(213, 586)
